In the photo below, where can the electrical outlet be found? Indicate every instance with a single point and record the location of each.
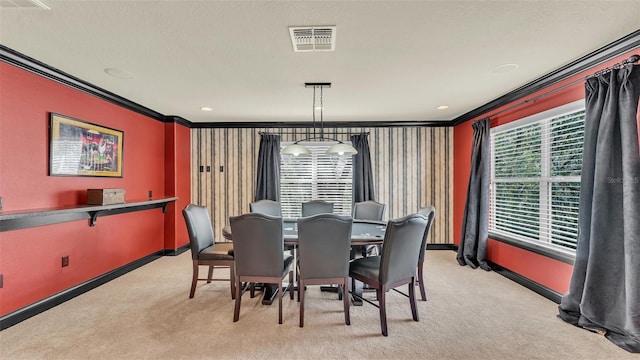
(1, 281)
(208, 168)
(0, 202)
(65, 261)
(150, 194)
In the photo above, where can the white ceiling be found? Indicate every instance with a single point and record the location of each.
(394, 60)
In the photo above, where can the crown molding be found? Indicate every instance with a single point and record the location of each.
(24, 62)
(326, 124)
(607, 52)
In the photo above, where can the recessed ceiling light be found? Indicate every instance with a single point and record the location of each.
(442, 107)
(117, 73)
(504, 68)
(206, 108)
(318, 108)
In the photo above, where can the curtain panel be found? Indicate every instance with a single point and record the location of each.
(604, 292)
(475, 224)
(362, 173)
(268, 174)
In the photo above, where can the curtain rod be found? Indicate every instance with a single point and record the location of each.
(631, 60)
(303, 132)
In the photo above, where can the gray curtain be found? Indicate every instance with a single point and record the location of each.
(604, 292)
(362, 173)
(475, 224)
(268, 178)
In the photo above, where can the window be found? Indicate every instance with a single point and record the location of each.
(535, 177)
(315, 177)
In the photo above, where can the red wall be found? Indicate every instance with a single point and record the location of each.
(541, 269)
(177, 183)
(30, 259)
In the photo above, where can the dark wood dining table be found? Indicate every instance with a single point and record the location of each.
(363, 232)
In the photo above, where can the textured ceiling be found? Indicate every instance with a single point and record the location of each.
(394, 60)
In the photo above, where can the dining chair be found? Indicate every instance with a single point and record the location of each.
(369, 210)
(430, 213)
(204, 250)
(259, 255)
(397, 264)
(265, 206)
(314, 207)
(323, 248)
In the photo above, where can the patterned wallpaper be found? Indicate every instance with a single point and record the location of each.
(412, 167)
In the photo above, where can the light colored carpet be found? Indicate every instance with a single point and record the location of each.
(146, 314)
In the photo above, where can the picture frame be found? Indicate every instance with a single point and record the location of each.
(80, 148)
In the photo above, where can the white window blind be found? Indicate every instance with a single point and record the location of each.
(535, 177)
(315, 177)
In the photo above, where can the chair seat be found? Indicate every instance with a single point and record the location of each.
(368, 267)
(221, 251)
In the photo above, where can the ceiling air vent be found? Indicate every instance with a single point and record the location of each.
(313, 38)
(23, 4)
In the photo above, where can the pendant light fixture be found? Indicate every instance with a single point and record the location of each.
(339, 149)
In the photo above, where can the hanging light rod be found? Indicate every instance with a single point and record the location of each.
(339, 148)
(317, 85)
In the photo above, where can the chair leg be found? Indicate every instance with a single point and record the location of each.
(252, 290)
(232, 280)
(383, 310)
(340, 292)
(236, 311)
(412, 300)
(291, 287)
(210, 274)
(345, 298)
(301, 301)
(280, 294)
(423, 293)
(194, 281)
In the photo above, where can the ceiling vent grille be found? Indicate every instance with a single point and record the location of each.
(313, 38)
(24, 4)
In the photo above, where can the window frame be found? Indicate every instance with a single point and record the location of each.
(541, 247)
(317, 148)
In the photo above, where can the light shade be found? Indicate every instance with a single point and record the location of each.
(295, 150)
(341, 149)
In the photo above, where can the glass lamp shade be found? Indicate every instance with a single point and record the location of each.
(295, 150)
(341, 149)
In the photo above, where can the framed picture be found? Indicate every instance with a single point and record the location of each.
(79, 148)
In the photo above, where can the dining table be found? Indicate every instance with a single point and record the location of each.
(363, 233)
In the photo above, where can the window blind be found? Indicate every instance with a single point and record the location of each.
(535, 178)
(315, 177)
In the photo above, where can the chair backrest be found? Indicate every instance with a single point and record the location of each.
(258, 245)
(430, 213)
(267, 207)
(324, 242)
(401, 245)
(199, 228)
(369, 210)
(314, 207)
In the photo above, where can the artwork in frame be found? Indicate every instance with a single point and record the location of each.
(79, 148)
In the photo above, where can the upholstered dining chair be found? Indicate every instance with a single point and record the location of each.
(369, 210)
(204, 250)
(314, 207)
(265, 206)
(430, 213)
(397, 264)
(323, 247)
(259, 254)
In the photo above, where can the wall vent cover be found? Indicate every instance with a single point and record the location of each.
(24, 4)
(313, 38)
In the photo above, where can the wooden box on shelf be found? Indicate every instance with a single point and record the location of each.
(105, 196)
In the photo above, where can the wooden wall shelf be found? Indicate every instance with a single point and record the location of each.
(22, 219)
